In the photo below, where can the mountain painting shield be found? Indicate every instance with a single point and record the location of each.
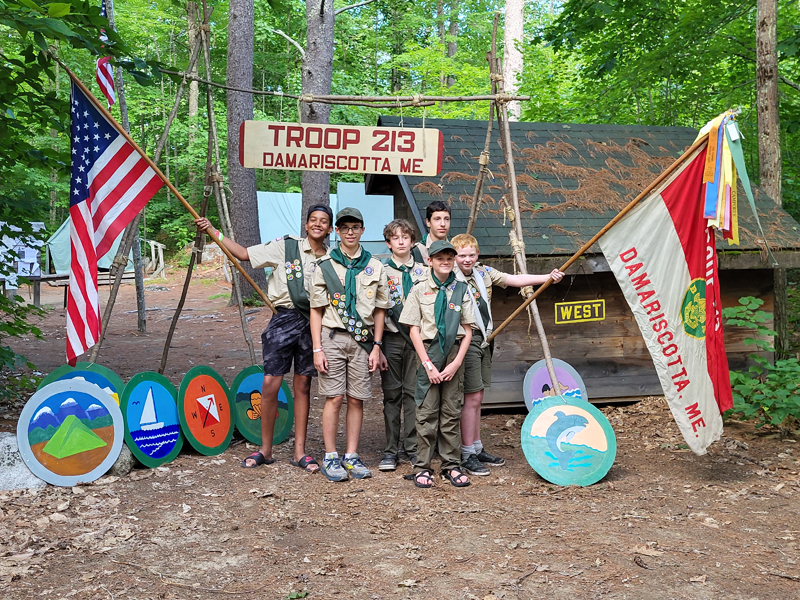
(568, 441)
(70, 432)
(205, 412)
(101, 376)
(246, 390)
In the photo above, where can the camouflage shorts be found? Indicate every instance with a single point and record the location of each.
(287, 339)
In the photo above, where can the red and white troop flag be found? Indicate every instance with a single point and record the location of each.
(663, 254)
(105, 72)
(110, 183)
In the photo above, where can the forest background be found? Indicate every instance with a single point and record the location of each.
(672, 62)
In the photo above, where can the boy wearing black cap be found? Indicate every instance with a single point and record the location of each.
(287, 338)
(349, 298)
(440, 314)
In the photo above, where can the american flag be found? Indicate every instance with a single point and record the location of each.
(105, 72)
(110, 184)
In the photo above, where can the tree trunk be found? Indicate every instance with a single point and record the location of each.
(769, 141)
(512, 56)
(194, 91)
(317, 80)
(242, 182)
(452, 32)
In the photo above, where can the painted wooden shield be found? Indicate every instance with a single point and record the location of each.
(152, 427)
(538, 385)
(246, 393)
(70, 432)
(205, 411)
(568, 441)
(91, 372)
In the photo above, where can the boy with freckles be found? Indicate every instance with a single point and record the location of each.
(478, 360)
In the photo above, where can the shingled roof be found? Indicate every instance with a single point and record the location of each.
(572, 180)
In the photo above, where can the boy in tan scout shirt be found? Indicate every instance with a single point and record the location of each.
(437, 218)
(349, 296)
(399, 380)
(439, 312)
(287, 338)
(478, 361)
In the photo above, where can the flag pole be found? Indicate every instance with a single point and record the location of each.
(166, 181)
(693, 148)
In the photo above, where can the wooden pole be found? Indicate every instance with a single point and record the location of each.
(695, 147)
(167, 182)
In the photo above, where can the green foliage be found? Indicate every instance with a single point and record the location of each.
(768, 392)
(15, 322)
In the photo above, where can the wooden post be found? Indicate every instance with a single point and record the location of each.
(698, 145)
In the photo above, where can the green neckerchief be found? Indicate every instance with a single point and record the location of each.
(354, 267)
(437, 352)
(424, 240)
(408, 283)
(441, 305)
(294, 276)
(351, 320)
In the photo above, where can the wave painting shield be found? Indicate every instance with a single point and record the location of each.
(246, 391)
(70, 432)
(205, 411)
(568, 441)
(152, 426)
(538, 386)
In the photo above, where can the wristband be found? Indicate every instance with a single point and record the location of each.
(377, 343)
(315, 350)
(428, 364)
(220, 236)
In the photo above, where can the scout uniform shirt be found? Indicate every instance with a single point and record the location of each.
(273, 254)
(397, 296)
(488, 276)
(419, 308)
(373, 292)
(419, 251)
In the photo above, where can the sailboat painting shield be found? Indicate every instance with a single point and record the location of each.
(152, 427)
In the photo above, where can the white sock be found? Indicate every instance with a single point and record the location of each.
(466, 451)
(478, 446)
(329, 455)
(351, 455)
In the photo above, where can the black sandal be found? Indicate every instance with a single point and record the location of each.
(259, 459)
(447, 475)
(424, 473)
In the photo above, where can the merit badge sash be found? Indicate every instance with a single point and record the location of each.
(294, 277)
(351, 321)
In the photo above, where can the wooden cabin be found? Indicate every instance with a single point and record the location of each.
(572, 180)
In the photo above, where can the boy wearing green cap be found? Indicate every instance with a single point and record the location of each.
(439, 312)
(349, 299)
(399, 380)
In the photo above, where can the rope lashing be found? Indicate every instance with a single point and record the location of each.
(416, 100)
(518, 247)
(483, 159)
(496, 77)
(503, 98)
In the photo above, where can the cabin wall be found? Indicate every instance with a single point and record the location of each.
(610, 355)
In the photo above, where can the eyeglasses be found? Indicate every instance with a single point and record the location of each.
(355, 229)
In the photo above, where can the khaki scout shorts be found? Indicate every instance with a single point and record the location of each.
(477, 367)
(348, 367)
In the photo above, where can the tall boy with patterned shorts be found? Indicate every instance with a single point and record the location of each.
(287, 338)
(478, 362)
(400, 378)
(439, 312)
(437, 218)
(349, 297)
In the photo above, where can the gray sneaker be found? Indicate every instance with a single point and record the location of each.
(356, 468)
(490, 460)
(333, 470)
(388, 463)
(473, 466)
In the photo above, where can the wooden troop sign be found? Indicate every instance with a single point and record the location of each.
(204, 410)
(340, 148)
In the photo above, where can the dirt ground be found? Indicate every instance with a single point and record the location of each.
(663, 523)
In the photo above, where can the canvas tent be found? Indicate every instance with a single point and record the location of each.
(279, 213)
(58, 252)
(19, 256)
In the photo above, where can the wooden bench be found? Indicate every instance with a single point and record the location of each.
(62, 280)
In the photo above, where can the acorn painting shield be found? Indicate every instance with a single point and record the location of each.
(246, 391)
(99, 375)
(152, 426)
(70, 432)
(205, 411)
(539, 386)
(568, 441)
